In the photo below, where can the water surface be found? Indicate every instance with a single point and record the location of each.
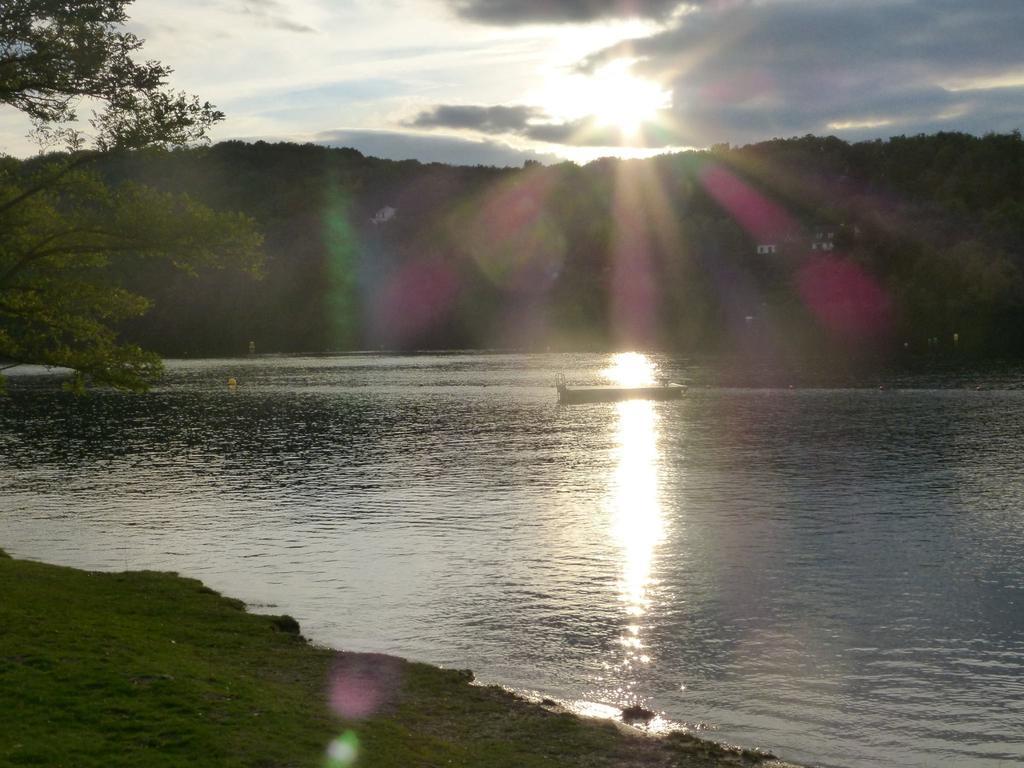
(832, 572)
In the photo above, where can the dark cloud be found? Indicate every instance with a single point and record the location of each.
(513, 12)
(396, 145)
(532, 123)
(856, 68)
(484, 119)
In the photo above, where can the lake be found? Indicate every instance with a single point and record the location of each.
(808, 564)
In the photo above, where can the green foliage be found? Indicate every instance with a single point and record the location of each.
(54, 54)
(62, 250)
(67, 240)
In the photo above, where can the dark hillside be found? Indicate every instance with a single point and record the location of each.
(787, 248)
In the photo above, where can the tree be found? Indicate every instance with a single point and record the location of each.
(64, 235)
(55, 53)
(62, 250)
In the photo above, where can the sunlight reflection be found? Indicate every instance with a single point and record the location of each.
(637, 523)
(630, 369)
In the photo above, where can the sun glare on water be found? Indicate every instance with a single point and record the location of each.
(630, 369)
(636, 523)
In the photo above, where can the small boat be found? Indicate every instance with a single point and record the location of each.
(612, 394)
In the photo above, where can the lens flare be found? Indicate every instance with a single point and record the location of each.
(362, 683)
(633, 287)
(511, 237)
(844, 298)
(343, 751)
(413, 301)
(761, 217)
(342, 247)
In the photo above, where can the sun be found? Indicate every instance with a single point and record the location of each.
(611, 97)
(624, 101)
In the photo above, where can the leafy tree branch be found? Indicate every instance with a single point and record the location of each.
(66, 238)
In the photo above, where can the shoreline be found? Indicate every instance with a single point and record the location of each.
(152, 668)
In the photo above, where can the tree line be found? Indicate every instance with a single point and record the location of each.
(914, 244)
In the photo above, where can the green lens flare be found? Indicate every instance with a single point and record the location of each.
(343, 751)
(342, 245)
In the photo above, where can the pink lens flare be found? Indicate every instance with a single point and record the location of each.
(363, 683)
(414, 301)
(844, 297)
(762, 218)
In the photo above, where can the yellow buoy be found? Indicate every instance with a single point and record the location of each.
(232, 382)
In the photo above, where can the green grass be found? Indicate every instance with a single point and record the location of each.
(151, 669)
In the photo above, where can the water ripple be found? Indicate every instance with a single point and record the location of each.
(832, 572)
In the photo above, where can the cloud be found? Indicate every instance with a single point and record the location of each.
(856, 68)
(484, 119)
(514, 12)
(534, 124)
(742, 71)
(272, 13)
(398, 145)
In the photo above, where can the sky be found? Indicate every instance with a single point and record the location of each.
(498, 82)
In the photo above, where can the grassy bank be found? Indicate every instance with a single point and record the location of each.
(151, 669)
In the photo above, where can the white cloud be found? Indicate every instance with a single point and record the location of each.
(14, 128)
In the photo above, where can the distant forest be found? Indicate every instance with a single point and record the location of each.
(791, 247)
